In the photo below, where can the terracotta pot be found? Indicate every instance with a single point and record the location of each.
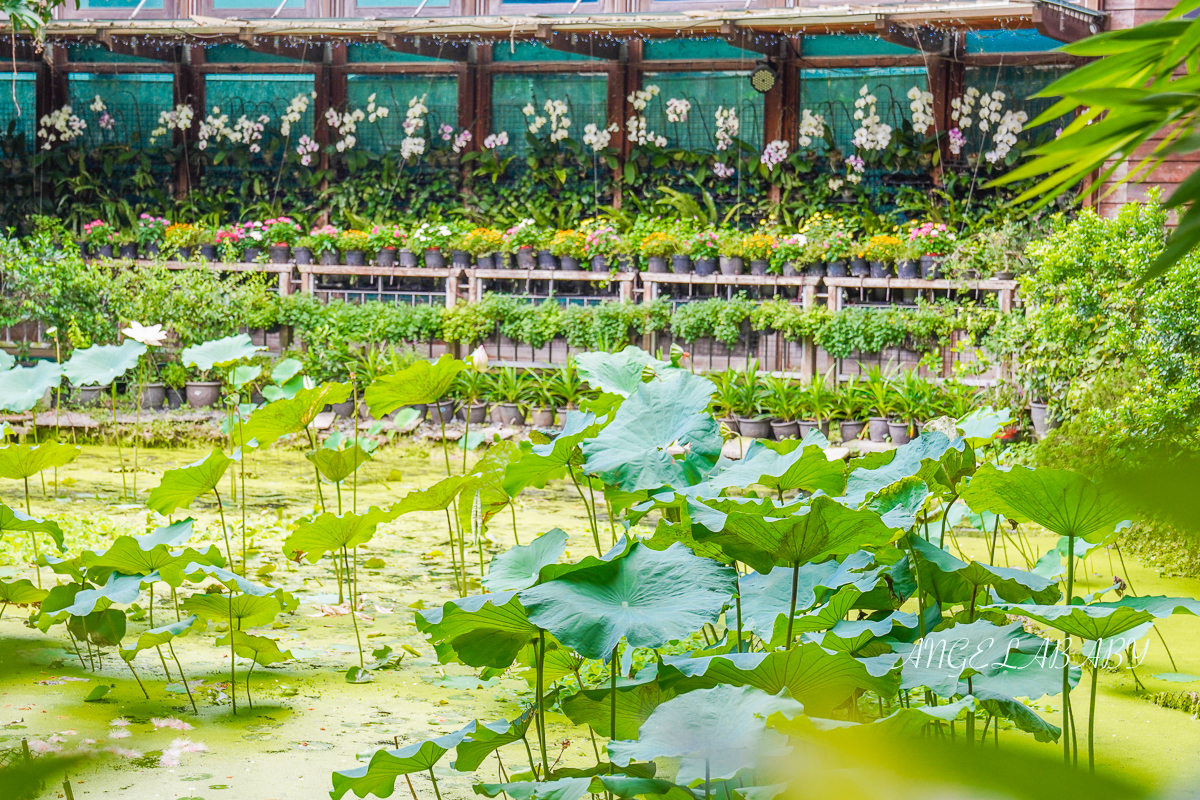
(542, 418)
(851, 429)
(441, 412)
(153, 396)
(899, 431)
(755, 427)
(203, 394)
(508, 413)
(477, 413)
(785, 429)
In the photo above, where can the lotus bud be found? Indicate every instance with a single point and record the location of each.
(648, 373)
(479, 359)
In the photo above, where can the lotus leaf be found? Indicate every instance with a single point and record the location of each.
(423, 382)
(290, 415)
(481, 631)
(22, 387)
(949, 580)
(102, 363)
(329, 532)
(519, 567)
(337, 465)
(621, 373)
(219, 352)
(884, 469)
(780, 467)
(180, 487)
(21, 461)
(262, 650)
(245, 610)
(379, 776)
(14, 521)
(21, 592)
(156, 637)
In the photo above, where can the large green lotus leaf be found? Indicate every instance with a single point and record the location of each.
(103, 363)
(621, 373)
(1020, 715)
(171, 535)
(716, 732)
(487, 480)
(267, 424)
(636, 450)
(7, 361)
(1059, 500)
(423, 382)
(667, 533)
(22, 387)
(156, 637)
(859, 637)
(59, 597)
(950, 580)
(983, 425)
(329, 532)
(243, 374)
(489, 737)
(649, 597)
(883, 469)
(780, 467)
(120, 589)
(544, 462)
(246, 610)
(105, 628)
(518, 568)
(21, 592)
(14, 521)
(767, 598)
(181, 486)
(378, 778)
(262, 650)
(983, 652)
(20, 461)
(129, 556)
(1094, 622)
(821, 618)
(436, 498)
(764, 534)
(899, 503)
(1159, 606)
(626, 786)
(818, 678)
(561, 789)
(219, 352)
(482, 631)
(637, 698)
(197, 572)
(337, 465)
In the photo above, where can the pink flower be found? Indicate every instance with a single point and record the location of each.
(118, 733)
(120, 722)
(38, 746)
(170, 722)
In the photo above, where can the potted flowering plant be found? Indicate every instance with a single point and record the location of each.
(180, 238)
(732, 258)
(522, 240)
(704, 249)
(302, 252)
(757, 248)
(882, 251)
(483, 244)
(570, 246)
(206, 242)
(839, 244)
(354, 245)
(231, 243)
(254, 238)
(100, 237)
(280, 233)
(323, 242)
(789, 252)
(930, 242)
(431, 238)
(385, 241)
(656, 247)
(601, 244)
(149, 234)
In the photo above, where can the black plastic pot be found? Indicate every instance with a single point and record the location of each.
(681, 265)
(408, 258)
(105, 251)
(931, 267)
(526, 258)
(546, 260)
(153, 396)
(279, 253)
(329, 258)
(859, 268)
(303, 255)
(816, 269)
(434, 258)
(705, 266)
(568, 264)
(355, 258)
(486, 261)
(386, 257)
(460, 258)
(175, 398)
(128, 251)
(731, 265)
(879, 269)
(836, 269)
(599, 264)
(759, 266)
(909, 269)
(251, 254)
(656, 263)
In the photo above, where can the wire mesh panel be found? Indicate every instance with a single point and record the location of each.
(832, 92)
(258, 95)
(706, 91)
(394, 92)
(586, 96)
(131, 105)
(19, 129)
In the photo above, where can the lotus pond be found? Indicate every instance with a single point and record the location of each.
(198, 637)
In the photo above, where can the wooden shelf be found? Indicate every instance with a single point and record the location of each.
(987, 285)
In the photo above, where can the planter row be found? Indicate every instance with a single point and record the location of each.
(877, 429)
(927, 267)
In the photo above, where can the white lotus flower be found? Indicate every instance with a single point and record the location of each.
(149, 335)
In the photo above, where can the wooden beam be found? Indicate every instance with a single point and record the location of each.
(767, 44)
(915, 37)
(25, 52)
(1066, 24)
(425, 46)
(132, 47)
(309, 52)
(581, 45)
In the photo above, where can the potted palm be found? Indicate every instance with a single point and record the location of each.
(469, 386)
(543, 400)
(850, 402)
(881, 403)
(568, 388)
(783, 401)
(509, 393)
(725, 397)
(748, 394)
(818, 406)
(912, 398)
